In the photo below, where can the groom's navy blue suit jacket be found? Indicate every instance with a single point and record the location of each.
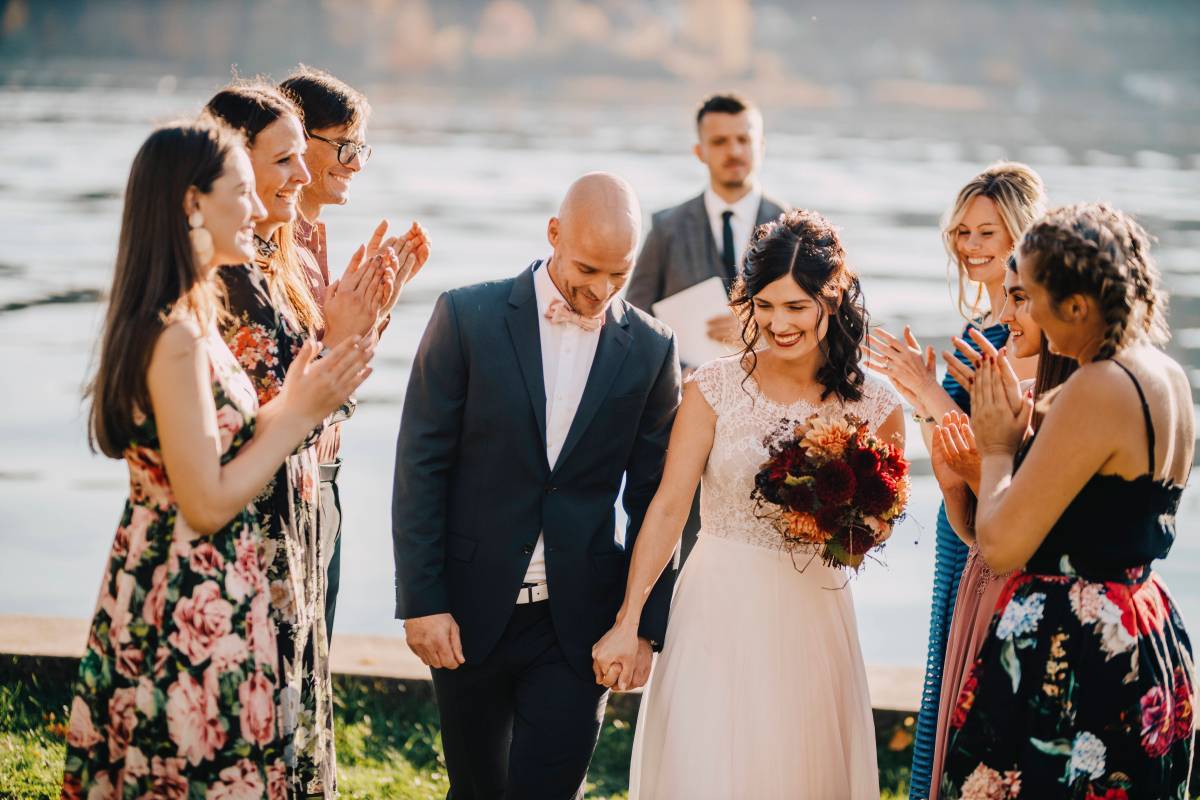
(473, 487)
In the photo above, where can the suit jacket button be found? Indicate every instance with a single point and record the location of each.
(549, 489)
(527, 549)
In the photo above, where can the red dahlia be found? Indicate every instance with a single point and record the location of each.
(835, 483)
(859, 540)
(829, 518)
(863, 462)
(875, 495)
(894, 464)
(799, 498)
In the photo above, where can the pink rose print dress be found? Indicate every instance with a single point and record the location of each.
(176, 694)
(1085, 686)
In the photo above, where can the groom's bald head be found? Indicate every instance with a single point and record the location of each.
(595, 237)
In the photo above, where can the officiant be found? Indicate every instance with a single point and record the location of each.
(706, 237)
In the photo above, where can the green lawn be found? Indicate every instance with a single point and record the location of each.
(388, 743)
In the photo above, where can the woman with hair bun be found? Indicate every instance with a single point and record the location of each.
(760, 690)
(1085, 685)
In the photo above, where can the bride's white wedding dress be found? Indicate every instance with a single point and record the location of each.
(760, 692)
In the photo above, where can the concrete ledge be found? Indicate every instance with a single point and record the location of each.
(892, 688)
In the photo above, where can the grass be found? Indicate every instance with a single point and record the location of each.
(388, 743)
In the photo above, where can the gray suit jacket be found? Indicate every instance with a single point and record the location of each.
(679, 251)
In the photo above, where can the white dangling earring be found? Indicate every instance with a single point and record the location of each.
(202, 241)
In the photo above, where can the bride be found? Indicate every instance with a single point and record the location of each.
(760, 690)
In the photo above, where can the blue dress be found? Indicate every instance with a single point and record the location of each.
(950, 556)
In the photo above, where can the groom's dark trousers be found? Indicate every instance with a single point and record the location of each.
(473, 490)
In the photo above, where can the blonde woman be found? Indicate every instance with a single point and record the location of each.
(979, 232)
(272, 313)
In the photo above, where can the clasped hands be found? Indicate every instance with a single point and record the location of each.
(621, 659)
(371, 285)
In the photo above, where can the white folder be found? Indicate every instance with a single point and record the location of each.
(688, 312)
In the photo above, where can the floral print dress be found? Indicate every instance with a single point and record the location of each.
(176, 690)
(1085, 686)
(265, 343)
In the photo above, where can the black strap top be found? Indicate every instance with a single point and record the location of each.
(1115, 526)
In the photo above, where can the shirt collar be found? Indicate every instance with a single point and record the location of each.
(309, 234)
(544, 289)
(744, 209)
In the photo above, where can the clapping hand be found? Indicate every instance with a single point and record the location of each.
(315, 388)
(954, 449)
(412, 251)
(1000, 413)
(352, 302)
(965, 373)
(910, 369)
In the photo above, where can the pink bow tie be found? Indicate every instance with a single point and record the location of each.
(559, 313)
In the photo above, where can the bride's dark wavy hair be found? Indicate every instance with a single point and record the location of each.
(804, 244)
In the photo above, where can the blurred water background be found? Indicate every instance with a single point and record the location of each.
(876, 114)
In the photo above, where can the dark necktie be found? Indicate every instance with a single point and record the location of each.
(728, 256)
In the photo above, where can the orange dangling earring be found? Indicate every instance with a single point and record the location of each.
(202, 241)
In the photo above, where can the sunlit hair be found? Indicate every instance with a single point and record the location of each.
(326, 101)
(251, 106)
(1099, 251)
(1020, 198)
(156, 277)
(806, 246)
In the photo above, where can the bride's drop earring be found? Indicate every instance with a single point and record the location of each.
(202, 241)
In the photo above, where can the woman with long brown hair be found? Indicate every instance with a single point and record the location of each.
(177, 685)
(760, 690)
(272, 313)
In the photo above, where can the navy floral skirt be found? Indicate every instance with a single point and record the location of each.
(1083, 689)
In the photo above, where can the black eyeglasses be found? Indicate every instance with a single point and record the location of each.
(347, 150)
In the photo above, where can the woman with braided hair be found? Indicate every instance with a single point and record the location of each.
(1084, 686)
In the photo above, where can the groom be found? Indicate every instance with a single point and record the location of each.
(530, 400)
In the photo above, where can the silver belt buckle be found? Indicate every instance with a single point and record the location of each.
(536, 593)
(328, 472)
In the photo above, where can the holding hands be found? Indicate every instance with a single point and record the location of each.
(622, 659)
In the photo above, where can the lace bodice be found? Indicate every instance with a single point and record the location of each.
(746, 420)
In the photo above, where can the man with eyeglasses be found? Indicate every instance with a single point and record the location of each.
(335, 120)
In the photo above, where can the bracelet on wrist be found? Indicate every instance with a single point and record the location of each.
(918, 417)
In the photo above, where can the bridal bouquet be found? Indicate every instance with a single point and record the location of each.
(833, 488)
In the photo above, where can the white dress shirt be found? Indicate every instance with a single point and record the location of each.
(567, 355)
(745, 215)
